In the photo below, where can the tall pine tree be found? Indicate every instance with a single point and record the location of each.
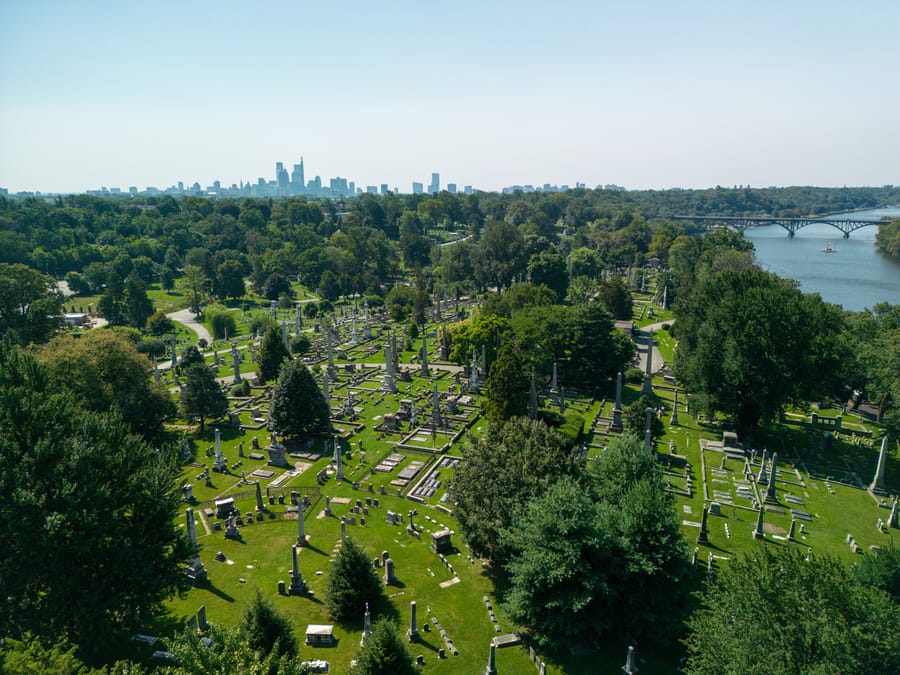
(272, 352)
(506, 388)
(298, 406)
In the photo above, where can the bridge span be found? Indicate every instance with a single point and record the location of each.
(789, 224)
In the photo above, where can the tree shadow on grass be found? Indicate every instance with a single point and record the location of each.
(219, 593)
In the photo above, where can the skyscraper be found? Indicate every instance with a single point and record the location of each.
(416, 188)
(435, 186)
(297, 181)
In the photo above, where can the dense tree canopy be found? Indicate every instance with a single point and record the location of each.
(750, 342)
(84, 505)
(106, 372)
(505, 469)
(558, 568)
(29, 304)
(775, 612)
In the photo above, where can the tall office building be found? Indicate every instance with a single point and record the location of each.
(281, 177)
(451, 188)
(298, 183)
(417, 188)
(384, 188)
(435, 186)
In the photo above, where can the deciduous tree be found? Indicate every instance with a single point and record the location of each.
(83, 501)
(773, 611)
(106, 372)
(504, 469)
(29, 304)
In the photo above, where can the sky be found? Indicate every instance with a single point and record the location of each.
(644, 94)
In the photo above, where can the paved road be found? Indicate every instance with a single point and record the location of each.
(186, 317)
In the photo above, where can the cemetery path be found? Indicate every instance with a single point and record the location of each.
(641, 341)
(186, 317)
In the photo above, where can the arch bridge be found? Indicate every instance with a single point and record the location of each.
(789, 224)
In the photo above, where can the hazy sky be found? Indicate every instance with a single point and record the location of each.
(642, 94)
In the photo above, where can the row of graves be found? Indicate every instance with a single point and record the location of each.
(395, 427)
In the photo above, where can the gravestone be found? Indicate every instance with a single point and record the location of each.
(758, 532)
(702, 537)
(221, 464)
(647, 388)
(877, 485)
(277, 452)
(617, 409)
(201, 618)
(389, 577)
(412, 634)
(367, 619)
(491, 668)
(301, 533)
(298, 586)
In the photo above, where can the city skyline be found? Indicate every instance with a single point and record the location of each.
(646, 94)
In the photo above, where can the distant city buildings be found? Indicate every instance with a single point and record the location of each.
(294, 183)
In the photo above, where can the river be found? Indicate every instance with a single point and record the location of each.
(856, 276)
